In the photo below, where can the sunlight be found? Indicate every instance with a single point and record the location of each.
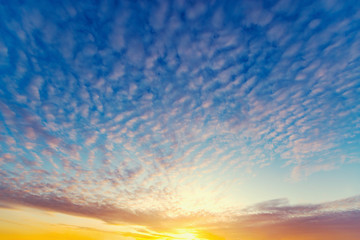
(184, 235)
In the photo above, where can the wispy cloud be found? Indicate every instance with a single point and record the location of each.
(275, 218)
(278, 219)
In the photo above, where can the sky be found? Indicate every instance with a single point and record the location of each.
(172, 120)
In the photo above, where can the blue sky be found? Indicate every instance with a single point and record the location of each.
(235, 102)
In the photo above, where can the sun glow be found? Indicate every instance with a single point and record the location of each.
(191, 234)
(185, 236)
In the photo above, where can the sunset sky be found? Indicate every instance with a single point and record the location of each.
(179, 120)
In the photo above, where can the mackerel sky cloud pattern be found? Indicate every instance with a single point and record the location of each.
(130, 111)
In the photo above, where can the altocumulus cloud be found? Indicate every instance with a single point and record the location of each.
(120, 101)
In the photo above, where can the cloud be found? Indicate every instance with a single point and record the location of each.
(61, 204)
(91, 140)
(277, 219)
(139, 99)
(271, 219)
(329, 225)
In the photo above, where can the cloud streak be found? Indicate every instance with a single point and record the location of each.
(275, 218)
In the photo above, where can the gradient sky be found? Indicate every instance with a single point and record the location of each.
(180, 119)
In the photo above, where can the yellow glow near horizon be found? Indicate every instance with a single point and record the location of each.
(184, 236)
(29, 224)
